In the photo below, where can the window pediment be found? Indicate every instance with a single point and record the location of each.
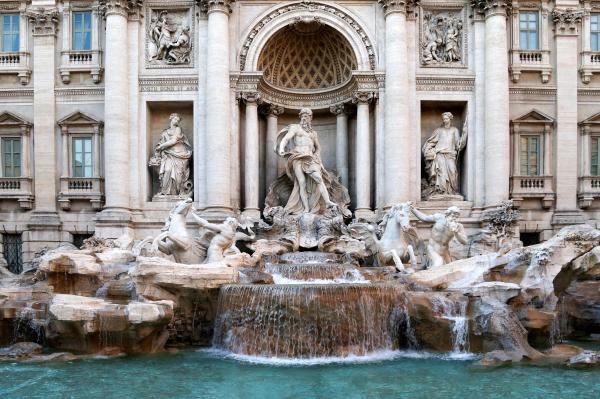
(80, 120)
(8, 119)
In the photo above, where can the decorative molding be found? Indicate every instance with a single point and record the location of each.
(402, 6)
(270, 109)
(362, 97)
(16, 92)
(340, 109)
(43, 20)
(434, 83)
(119, 7)
(534, 91)
(10, 6)
(308, 6)
(79, 91)
(491, 7)
(168, 84)
(567, 20)
(250, 97)
(209, 6)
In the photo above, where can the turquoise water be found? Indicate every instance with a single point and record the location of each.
(206, 374)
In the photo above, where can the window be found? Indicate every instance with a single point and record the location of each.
(82, 30)
(13, 252)
(595, 164)
(528, 30)
(82, 157)
(530, 155)
(10, 32)
(595, 32)
(11, 157)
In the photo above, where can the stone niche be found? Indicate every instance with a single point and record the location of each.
(158, 113)
(431, 119)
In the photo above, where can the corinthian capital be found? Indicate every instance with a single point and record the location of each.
(492, 7)
(216, 5)
(567, 20)
(43, 20)
(403, 6)
(119, 7)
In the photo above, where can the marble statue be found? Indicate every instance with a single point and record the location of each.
(222, 238)
(299, 145)
(175, 238)
(445, 228)
(169, 39)
(172, 158)
(399, 239)
(441, 152)
(441, 41)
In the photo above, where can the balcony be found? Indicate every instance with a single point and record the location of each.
(16, 63)
(81, 61)
(83, 189)
(526, 187)
(590, 64)
(589, 189)
(17, 189)
(530, 61)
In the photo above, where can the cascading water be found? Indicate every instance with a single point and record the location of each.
(457, 313)
(308, 320)
(310, 273)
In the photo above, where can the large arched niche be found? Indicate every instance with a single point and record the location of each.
(307, 56)
(281, 16)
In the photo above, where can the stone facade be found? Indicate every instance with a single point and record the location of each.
(376, 74)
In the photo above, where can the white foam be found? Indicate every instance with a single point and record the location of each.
(374, 357)
(353, 277)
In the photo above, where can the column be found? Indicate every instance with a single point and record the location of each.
(218, 108)
(138, 161)
(477, 137)
(251, 157)
(397, 142)
(200, 131)
(44, 224)
(26, 151)
(497, 135)
(363, 156)
(116, 125)
(341, 141)
(272, 113)
(567, 23)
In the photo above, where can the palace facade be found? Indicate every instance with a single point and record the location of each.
(88, 88)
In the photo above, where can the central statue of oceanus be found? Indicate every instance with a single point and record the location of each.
(310, 187)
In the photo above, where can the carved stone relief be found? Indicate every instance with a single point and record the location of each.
(169, 38)
(442, 38)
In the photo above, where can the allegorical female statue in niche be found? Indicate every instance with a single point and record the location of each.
(441, 151)
(172, 157)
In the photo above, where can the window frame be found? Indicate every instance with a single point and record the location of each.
(595, 33)
(528, 32)
(87, 45)
(73, 155)
(3, 153)
(15, 33)
(591, 155)
(539, 154)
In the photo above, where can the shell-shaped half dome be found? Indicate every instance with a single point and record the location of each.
(307, 56)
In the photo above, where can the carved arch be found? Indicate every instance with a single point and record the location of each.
(280, 16)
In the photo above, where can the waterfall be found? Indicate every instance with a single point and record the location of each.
(457, 313)
(311, 272)
(309, 320)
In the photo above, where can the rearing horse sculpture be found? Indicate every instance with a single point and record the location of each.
(398, 241)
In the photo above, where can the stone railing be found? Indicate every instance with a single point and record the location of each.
(16, 63)
(590, 64)
(530, 61)
(525, 187)
(589, 189)
(18, 189)
(81, 188)
(81, 61)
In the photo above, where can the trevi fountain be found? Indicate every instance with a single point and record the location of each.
(312, 199)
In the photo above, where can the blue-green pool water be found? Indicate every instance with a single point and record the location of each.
(206, 374)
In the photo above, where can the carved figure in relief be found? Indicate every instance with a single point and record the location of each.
(441, 151)
(299, 145)
(169, 39)
(222, 238)
(172, 157)
(441, 38)
(445, 228)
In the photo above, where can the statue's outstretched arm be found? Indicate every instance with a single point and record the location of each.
(421, 216)
(206, 224)
(461, 236)
(284, 141)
